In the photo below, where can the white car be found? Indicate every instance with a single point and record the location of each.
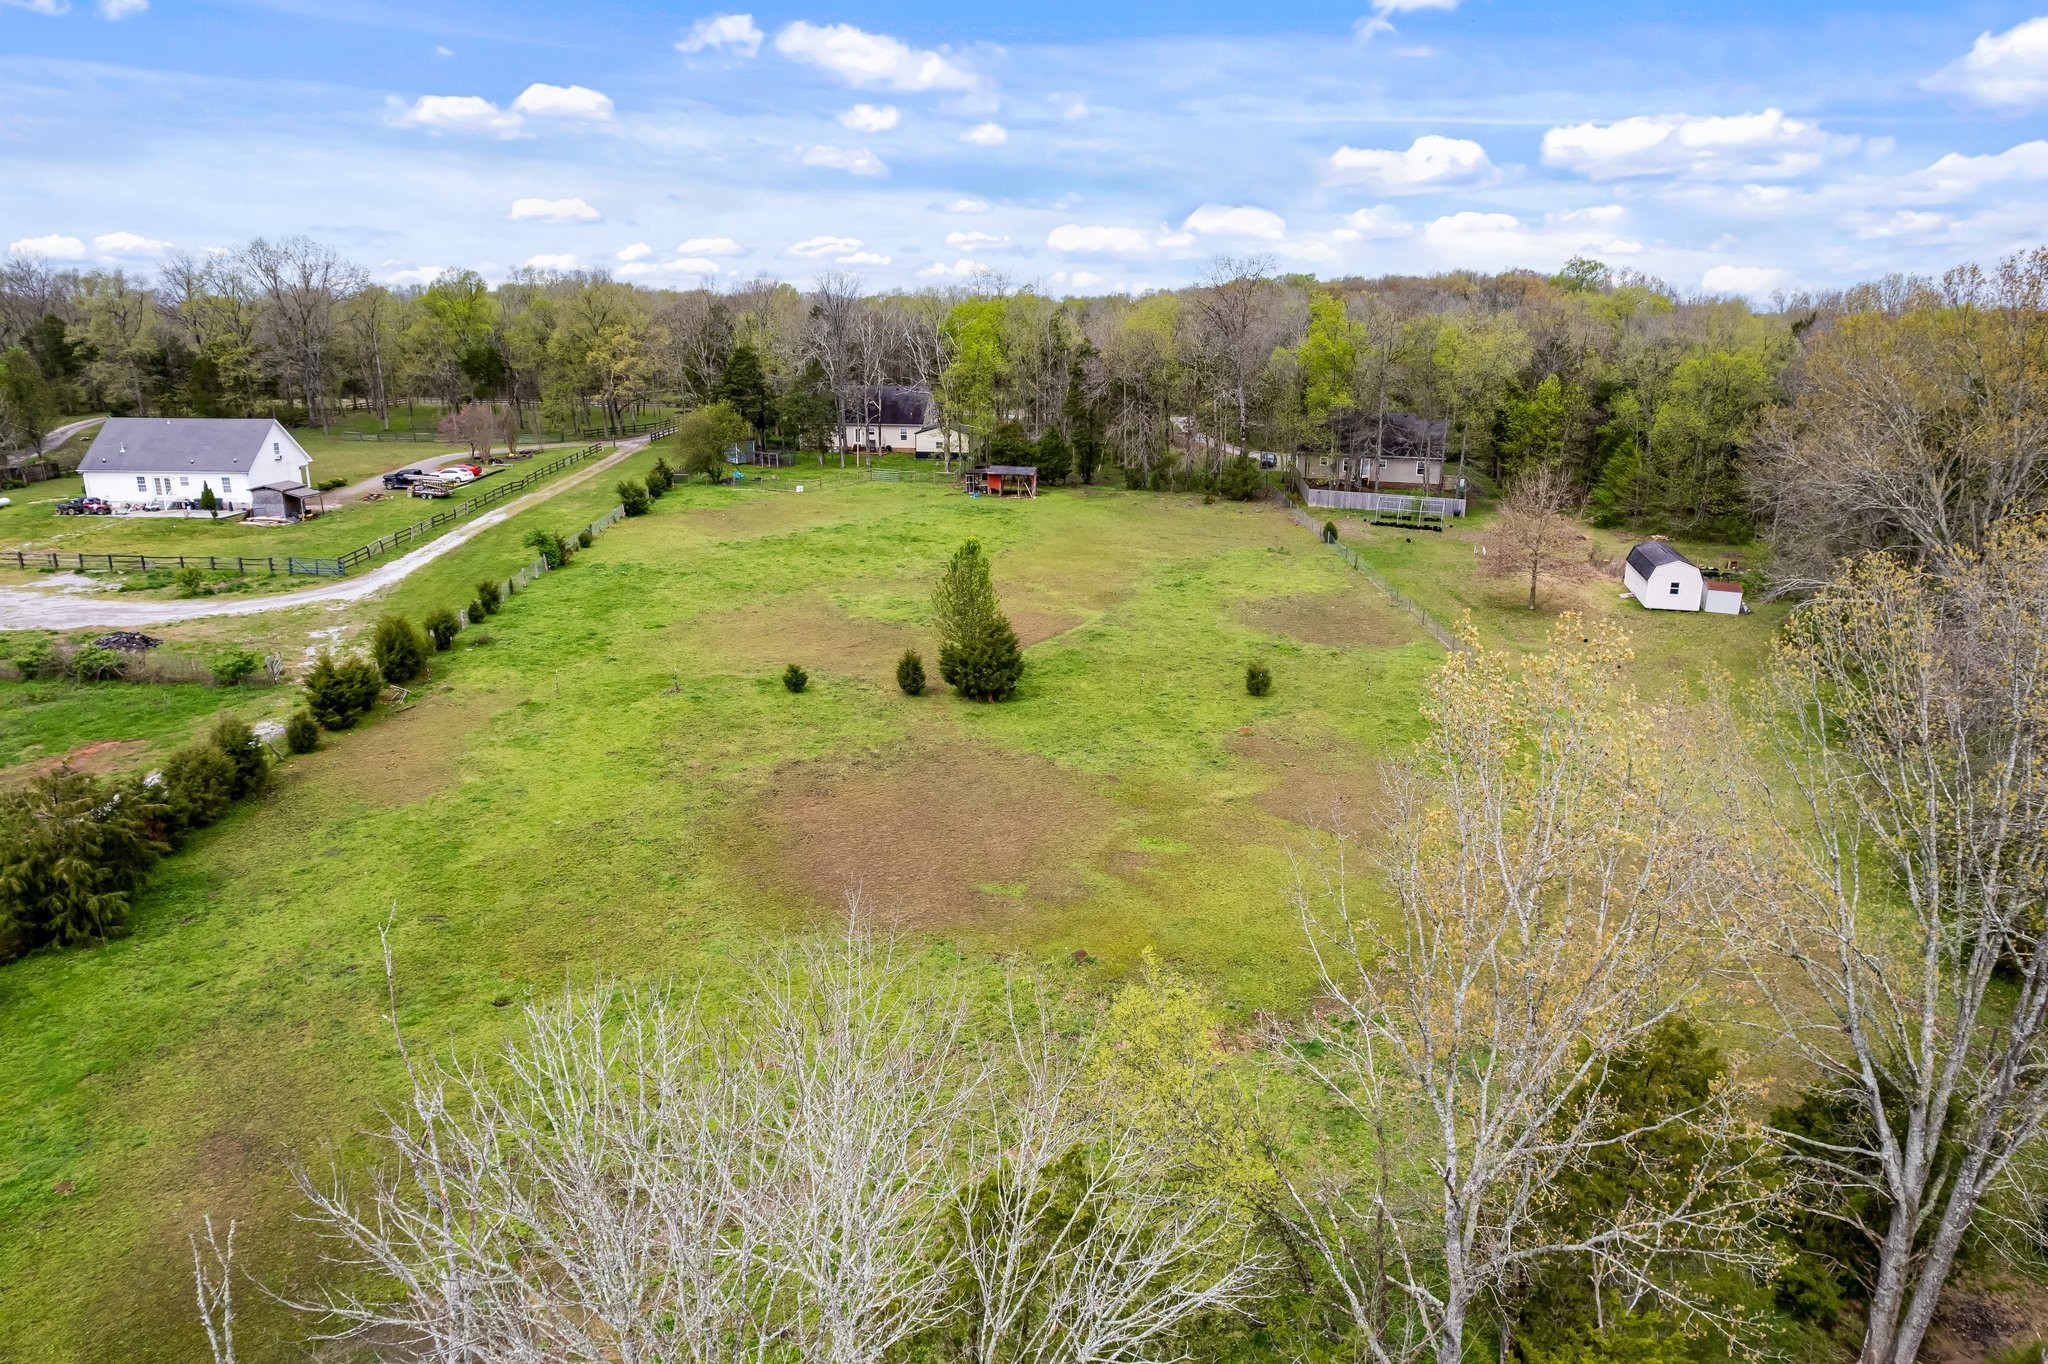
(454, 475)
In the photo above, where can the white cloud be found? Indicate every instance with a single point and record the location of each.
(1245, 220)
(968, 206)
(1076, 239)
(817, 247)
(419, 274)
(459, 114)
(2008, 69)
(1430, 163)
(51, 7)
(114, 11)
(562, 101)
(1956, 176)
(1068, 106)
(872, 61)
(1750, 281)
(1501, 240)
(1906, 223)
(1078, 280)
(681, 267)
(552, 211)
(443, 50)
(959, 269)
(863, 258)
(1765, 145)
(723, 32)
(974, 241)
(871, 118)
(1376, 223)
(637, 251)
(128, 244)
(1411, 6)
(711, 246)
(986, 135)
(52, 247)
(562, 261)
(852, 160)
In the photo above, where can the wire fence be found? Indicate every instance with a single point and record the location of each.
(524, 576)
(1350, 556)
(911, 476)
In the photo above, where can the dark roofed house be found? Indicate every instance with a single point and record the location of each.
(885, 417)
(143, 463)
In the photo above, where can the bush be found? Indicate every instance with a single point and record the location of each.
(1258, 678)
(251, 759)
(191, 582)
(1329, 532)
(231, 667)
(988, 665)
(633, 497)
(338, 693)
(72, 851)
(1053, 458)
(795, 678)
(399, 648)
(94, 664)
(209, 501)
(441, 627)
(1134, 479)
(475, 611)
(302, 732)
(910, 673)
(328, 485)
(38, 661)
(487, 598)
(199, 783)
(550, 546)
(1241, 480)
(660, 478)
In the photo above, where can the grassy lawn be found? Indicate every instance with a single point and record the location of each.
(610, 777)
(115, 726)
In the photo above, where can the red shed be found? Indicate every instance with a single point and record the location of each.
(1010, 480)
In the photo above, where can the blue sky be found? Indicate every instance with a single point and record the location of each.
(1729, 147)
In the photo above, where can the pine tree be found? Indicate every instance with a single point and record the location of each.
(978, 651)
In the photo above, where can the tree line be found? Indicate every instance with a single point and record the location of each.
(1677, 414)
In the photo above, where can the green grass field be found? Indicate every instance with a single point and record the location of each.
(617, 781)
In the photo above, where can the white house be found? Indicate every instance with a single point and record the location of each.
(138, 461)
(1663, 579)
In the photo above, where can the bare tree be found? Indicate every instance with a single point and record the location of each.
(832, 338)
(1530, 533)
(1557, 901)
(302, 282)
(1227, 311)
(481, 426)
(213, 1286)
(839, 1167)
(1908, 874)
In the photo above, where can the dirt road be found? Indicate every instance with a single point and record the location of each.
(38, 608)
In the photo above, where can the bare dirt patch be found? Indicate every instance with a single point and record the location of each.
(1324, 784)
(1360, 618)
(934, 834)
(805, 629)
(101, 759)
(1035, 627)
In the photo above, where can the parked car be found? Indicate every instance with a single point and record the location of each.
(455, 473)
(476, 470)
(403, 478)
(85, 506)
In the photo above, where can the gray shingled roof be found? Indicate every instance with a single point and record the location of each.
(1652, 555)
(212, 445)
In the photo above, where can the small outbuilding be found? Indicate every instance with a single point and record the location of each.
(1010, 480)
(1724, 598)
(1662, 579)
(284, 500)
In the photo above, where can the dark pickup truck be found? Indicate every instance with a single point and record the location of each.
(403, 478)
(85, 506)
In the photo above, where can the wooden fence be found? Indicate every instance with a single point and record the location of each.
(298, 566)
(1350, 556)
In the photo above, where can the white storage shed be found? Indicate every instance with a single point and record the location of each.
(1663, 579)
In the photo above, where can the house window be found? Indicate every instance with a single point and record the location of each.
(1343, 468)
(1420, 468)
(903, 435)
(276, 450)
(1674, 589)
(227, 485)
(141, 484)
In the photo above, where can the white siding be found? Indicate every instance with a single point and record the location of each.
(279, 458)
(1670, 587)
